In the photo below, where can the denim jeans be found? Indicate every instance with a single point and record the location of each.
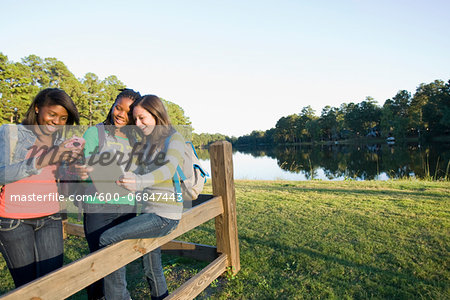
(143, 226)
(95, 223)
(31, 247)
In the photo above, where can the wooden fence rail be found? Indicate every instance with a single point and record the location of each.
(75, 276)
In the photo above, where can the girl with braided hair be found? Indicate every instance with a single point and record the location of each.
(99, 216)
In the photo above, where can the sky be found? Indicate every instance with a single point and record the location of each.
(239, 66)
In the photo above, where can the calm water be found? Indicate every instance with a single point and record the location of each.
(340, 162)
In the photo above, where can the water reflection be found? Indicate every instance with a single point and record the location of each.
(339, 162)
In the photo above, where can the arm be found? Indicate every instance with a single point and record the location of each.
(173, 158)
(9, 171)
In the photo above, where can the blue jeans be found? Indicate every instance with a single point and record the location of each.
(31, 247)
(96, 222)
(147, 225)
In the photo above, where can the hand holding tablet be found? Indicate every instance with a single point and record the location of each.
(128, 181)
(106, 174)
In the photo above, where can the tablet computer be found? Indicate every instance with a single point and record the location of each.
(106, 171)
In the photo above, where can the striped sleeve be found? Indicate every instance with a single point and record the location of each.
(173, 158)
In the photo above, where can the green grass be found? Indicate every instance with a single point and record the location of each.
(322, 240)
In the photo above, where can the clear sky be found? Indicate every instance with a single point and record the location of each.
(236, 66)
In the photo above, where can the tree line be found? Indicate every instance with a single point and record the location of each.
(424, 114)
(21, 81)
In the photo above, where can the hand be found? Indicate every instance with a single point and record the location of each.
(75, 142)
(56, 154)
(82, 171)
(128, 181)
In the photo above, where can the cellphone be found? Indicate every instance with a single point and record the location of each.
(75, 142)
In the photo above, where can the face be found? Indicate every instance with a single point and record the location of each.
(144, 120)
(120, 111)
(50, 117)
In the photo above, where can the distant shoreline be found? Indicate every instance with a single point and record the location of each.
(353, 141)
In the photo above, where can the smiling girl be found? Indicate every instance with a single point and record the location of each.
(31, 238)
(162, 207)
(100, 215)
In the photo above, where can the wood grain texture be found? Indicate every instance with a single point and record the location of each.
(223, 185)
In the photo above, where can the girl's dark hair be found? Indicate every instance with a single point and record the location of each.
(154, 105)
(109, 124)
(49, 97)
(125, 93)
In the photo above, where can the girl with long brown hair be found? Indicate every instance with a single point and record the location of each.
(162, 206)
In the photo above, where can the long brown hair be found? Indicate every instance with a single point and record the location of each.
(154, 105)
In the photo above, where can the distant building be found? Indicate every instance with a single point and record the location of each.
(374, 132)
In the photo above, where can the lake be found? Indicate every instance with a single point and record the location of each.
(340, 162)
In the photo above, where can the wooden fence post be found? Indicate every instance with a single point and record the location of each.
(223, 185)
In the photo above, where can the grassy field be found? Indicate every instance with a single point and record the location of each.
(321, 239)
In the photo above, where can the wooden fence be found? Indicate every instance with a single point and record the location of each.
(75, 276)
